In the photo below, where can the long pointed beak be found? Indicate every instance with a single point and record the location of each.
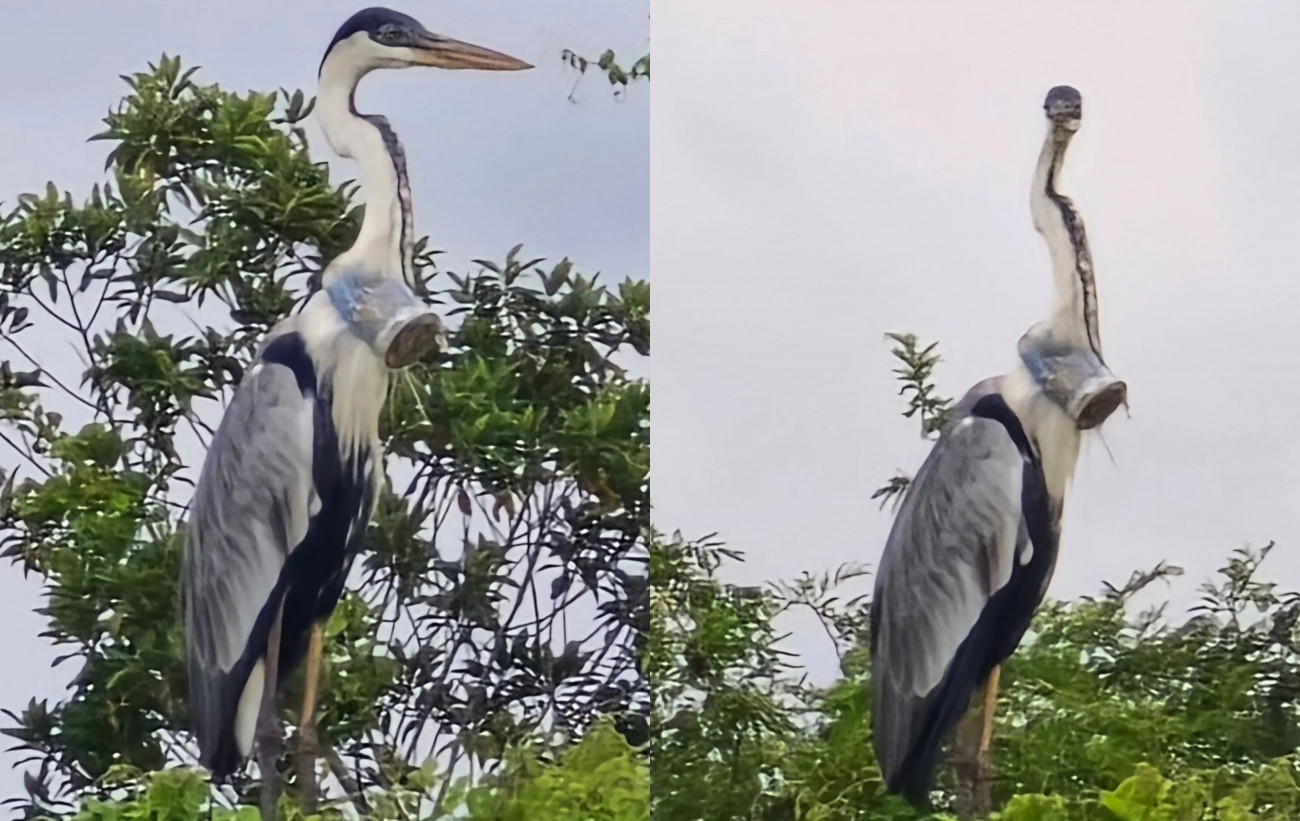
(444, 52)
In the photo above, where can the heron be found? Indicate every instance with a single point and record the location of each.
(290, 477)
(974, 545)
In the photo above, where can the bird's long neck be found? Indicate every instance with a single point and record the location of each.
(385, 243)
(348, 368)
(1052, 432)
(1074, 307)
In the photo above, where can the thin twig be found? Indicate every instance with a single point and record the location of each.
(10, 339)
(25, 453)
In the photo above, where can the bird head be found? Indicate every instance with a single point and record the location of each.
(383, 38)
(1064, 109)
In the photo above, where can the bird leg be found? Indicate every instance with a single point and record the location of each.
(308, 744)
(971, 759)
(269, 735)
(986, 732)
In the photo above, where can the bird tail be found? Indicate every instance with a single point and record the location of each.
(908, 732)
(212, 718)
(216, 695)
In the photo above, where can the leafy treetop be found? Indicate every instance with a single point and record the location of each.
(502, 590)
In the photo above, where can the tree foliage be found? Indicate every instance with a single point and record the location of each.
(619, 76)
(1107, 711)
(501, 594)
(599, 778)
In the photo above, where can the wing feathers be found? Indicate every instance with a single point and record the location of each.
(952, 548)
(250, 509)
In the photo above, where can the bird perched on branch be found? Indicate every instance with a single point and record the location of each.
(291, 476)
(973, 548)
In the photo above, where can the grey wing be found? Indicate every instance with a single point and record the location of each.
(250, 509)
(953, 545)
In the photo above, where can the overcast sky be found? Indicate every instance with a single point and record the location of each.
(827, 172)
(494, 159)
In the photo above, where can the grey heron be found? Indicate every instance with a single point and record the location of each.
(290, 477)
(974, 545)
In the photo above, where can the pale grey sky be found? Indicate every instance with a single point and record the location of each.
(827, 172)
(494, 159)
